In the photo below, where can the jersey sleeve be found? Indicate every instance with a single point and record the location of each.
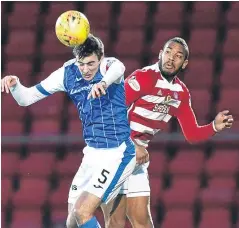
(26, 96)
(138, 84)
(188, 122)
(53, 83)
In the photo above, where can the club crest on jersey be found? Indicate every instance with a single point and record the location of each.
(167, 99)
(175, 94)
(133, 83)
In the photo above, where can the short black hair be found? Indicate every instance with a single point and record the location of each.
(92, 45)
(182, 42)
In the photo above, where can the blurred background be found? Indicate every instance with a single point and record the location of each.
(192, 186)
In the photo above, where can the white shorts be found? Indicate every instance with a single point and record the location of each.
(137, 183)
(103, 171)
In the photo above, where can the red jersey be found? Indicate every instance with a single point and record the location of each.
(152, 102)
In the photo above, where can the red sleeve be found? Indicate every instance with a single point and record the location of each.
(138, 84)
(187, 120)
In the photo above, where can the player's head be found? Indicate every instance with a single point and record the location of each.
(174, 57)
(88, 56)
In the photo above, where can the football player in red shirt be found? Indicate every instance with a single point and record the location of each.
(154, 94)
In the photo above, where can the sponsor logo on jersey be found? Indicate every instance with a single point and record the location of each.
(133, 83)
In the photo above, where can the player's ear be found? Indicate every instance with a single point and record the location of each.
(185, 64)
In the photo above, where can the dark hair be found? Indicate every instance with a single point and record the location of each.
(91, 45)
(182, 42)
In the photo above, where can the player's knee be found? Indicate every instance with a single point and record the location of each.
(82, 215)
(116, 222)
(141, 219)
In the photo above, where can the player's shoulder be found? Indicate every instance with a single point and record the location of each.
(106, 63)
(183, 85)
(69, 63)
(148, 74)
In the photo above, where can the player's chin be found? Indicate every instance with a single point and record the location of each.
(88, 78)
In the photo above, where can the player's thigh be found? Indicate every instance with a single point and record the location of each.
(115, 212)
(138, 196)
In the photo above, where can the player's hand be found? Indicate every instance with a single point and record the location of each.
(97, 90)
(7, 82)
(142, 155)
(223, 120)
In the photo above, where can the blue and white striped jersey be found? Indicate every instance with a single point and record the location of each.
(104, 119)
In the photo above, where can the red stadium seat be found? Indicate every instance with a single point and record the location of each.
(229, 159)
(201, 100)
(38, 164)
(21, 68)
(11, 110)
(54, 106)
(3, 218)
(45, 127)
(70, 164)
(187, 162)
(32, 193)
(58, 198)
(130, 43)
(48, 67)
(131, 65)
(219, 218)
(157, 164)
(199, 73)
(169, 14)
(98, 13)
(228, 77)
(125, 19)
(100, 217)
(6, 191)
(230, 48)
(21, 44)
(9, 163)
(59, 215)
(198, 36)
(220, 192)
(183, 192)
(11, 128)
(75, 127)
(205, 14)
(55, 10)
(228, 99)
(104, 36)
(73, 114)
(24, 15)
(232, 15)
(160, 38)
(52, 48)
(23, 218)
(155, 190)
(178, 218)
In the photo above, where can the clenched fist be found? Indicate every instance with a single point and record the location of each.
(7, 82)
(223, 120)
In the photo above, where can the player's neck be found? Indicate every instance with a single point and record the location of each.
(168, 78)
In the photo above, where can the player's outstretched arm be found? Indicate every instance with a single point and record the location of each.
(195, 133)
(26, 96)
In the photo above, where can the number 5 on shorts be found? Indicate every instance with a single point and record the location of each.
(103, 179)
